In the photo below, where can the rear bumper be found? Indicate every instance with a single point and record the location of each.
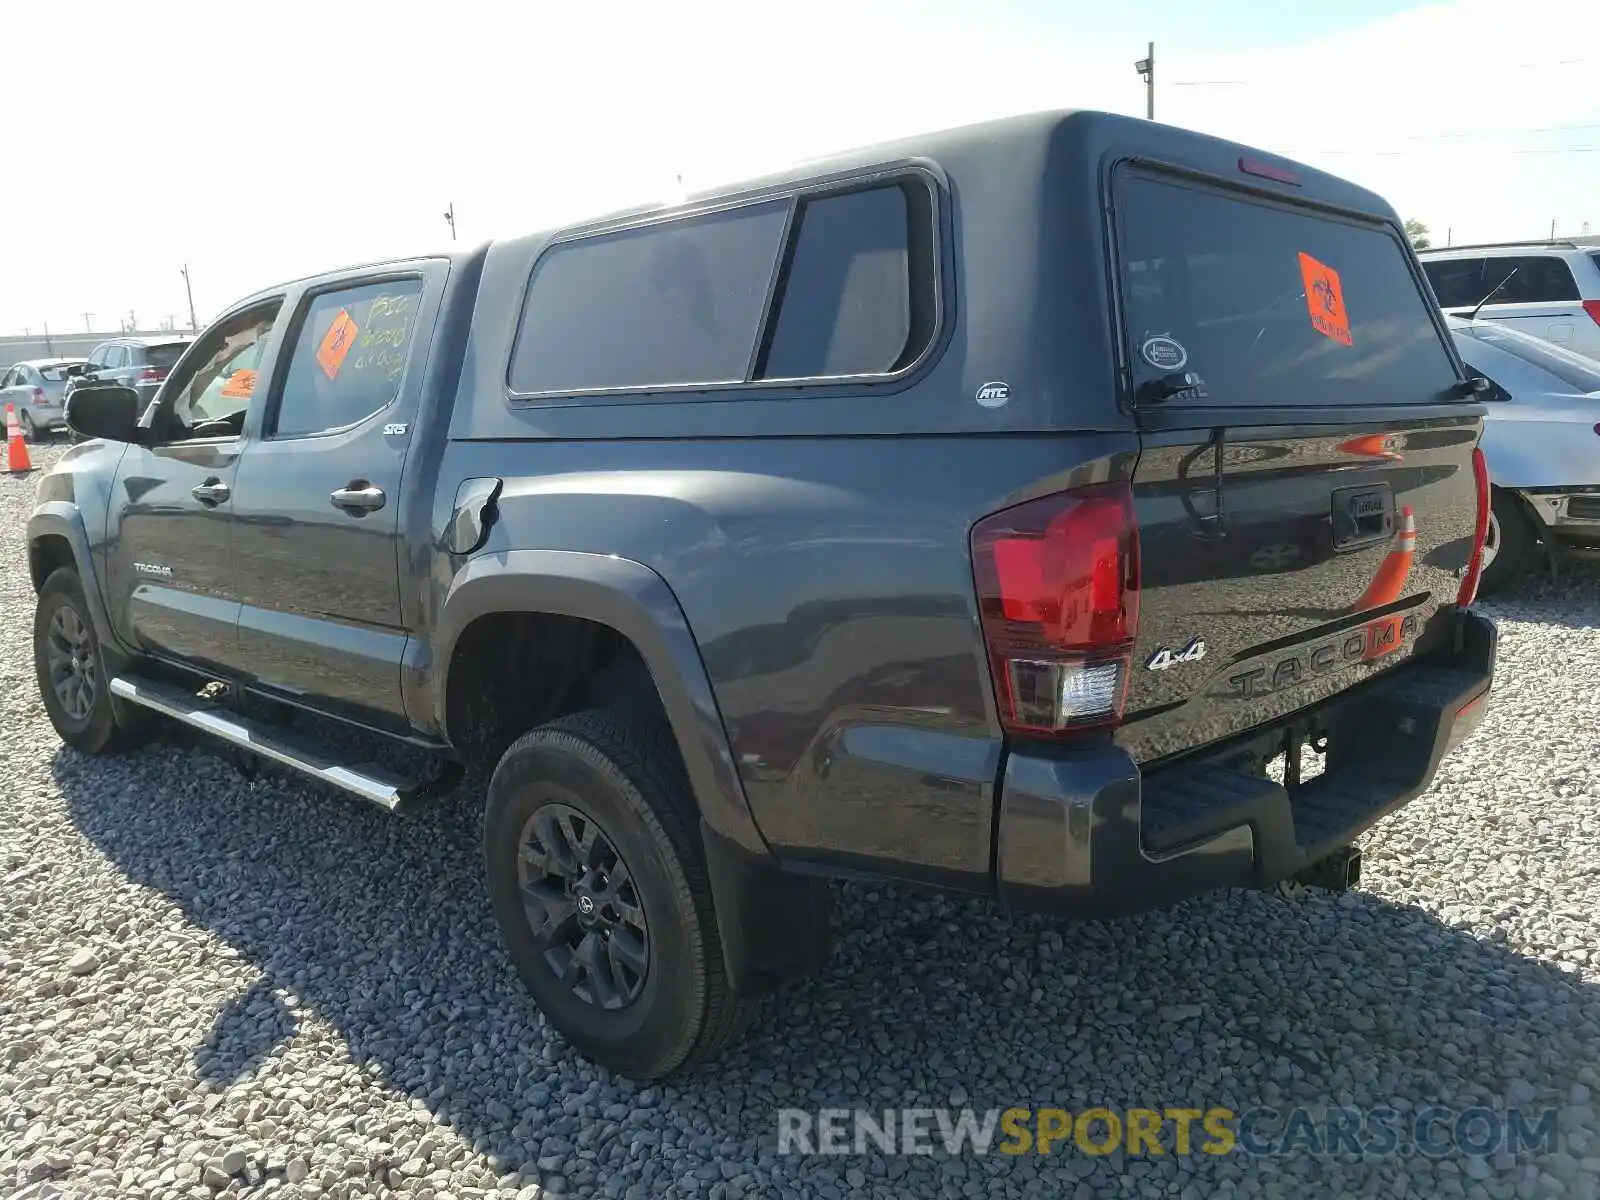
(1087, 833)
(1571, 519)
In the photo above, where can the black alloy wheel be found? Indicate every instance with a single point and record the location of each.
(70, 660)
(583, 906)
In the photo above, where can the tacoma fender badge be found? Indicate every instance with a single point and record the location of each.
(165, 572)
(1164, 657)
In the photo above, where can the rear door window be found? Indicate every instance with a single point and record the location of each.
(1528, 279)
(1269, 305)
(1457, 282)
(1534, 279)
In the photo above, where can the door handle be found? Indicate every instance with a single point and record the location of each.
(358, 497)
(212, 491)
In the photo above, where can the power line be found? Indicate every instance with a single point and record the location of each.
(1527, 66)
(1480, 150)
(1421, 137)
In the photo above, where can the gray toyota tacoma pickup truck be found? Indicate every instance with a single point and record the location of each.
(1026, 510)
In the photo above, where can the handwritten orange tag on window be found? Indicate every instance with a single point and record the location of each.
(340, 337)
(240, 384)
(1325, 300)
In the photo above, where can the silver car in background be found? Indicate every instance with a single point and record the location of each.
(1542, 443)
(36, 389)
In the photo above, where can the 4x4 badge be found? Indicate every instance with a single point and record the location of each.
(1164, 658)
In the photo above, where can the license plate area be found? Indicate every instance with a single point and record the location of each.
(1362, 516)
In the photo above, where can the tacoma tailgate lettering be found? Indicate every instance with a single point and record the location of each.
(1374, 640)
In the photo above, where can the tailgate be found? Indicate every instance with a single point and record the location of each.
(1305, 492)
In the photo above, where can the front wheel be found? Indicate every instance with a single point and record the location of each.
(30, 431)
(71, 669)
(598, 881)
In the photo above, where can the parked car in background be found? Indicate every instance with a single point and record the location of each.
(137, 362)
(1542, 441)
(37, 389)
(1548, 289)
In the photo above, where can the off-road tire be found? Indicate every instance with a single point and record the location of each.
(626, 776)
(107, 728)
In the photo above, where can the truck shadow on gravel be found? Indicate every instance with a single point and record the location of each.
(379, 927)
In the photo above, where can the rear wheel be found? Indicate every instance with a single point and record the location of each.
(70, 665)
(1512, 543)
(598, 881)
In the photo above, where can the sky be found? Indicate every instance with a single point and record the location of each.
(259, 144)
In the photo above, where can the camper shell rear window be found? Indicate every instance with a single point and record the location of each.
(1268, 304)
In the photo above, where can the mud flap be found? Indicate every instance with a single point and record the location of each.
(775, 926)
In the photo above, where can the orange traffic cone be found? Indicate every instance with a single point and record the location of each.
(17, 460)
(1391, 577)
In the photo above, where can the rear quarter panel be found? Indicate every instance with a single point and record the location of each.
(829, 587)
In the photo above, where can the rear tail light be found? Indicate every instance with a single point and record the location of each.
(1592, 307)
(39, 396)
(155, 374)
(1058, 598)
(1480, 530)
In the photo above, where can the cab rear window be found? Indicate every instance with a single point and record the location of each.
(1268, 305)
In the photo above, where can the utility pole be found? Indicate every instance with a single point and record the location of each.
(1552, 229)
(49, 347)
(87, 328)
(194, 326)
(1449, 235)
(450, 216)
(1147, 69)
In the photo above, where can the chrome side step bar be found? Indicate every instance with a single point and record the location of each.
(369, 782)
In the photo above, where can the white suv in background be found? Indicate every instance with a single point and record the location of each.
(1551, 289)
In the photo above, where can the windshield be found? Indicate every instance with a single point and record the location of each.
(1270, 305)
(166, 355)
(1578, 373)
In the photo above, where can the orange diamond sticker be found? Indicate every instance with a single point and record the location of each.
(1325, 300)
(336, 344)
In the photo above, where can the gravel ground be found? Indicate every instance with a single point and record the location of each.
(212, 982)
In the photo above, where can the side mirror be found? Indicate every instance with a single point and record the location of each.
(104, 412)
